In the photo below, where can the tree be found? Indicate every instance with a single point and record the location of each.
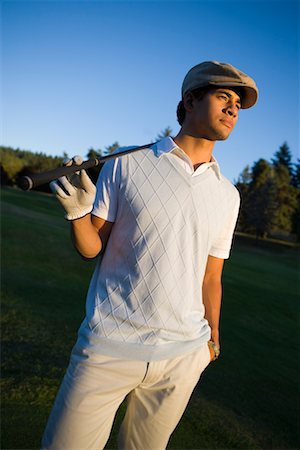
(11, 165)
(243, 186)
(296, 174)
(260, 205)
(286, 199)
(258, 199)
(164, 133)
(283, 157)
(92, 153)
(269, 200)
(288, 193)
(111, 148)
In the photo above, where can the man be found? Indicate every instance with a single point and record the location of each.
(162, 222)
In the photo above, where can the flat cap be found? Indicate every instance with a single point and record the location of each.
(214, 73)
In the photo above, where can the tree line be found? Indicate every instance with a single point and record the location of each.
(270, 197)
(270, 190)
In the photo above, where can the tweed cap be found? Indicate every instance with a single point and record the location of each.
(214, 73)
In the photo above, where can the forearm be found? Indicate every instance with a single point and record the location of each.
(85, 237)
(212, 296)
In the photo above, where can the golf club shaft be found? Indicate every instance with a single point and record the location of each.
(37, 179)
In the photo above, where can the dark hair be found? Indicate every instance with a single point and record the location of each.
(180, 113)
(198, 93)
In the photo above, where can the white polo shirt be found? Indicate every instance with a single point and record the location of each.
(145, 297)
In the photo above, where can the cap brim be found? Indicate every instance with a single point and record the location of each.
(249, 94)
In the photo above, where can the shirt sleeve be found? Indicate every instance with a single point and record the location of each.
(106, 200)
(222, 245)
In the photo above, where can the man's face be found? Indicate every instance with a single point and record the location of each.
(214, 116)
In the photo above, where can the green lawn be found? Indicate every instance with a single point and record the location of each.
(246, 400)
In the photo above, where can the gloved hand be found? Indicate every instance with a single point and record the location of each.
(76, 193)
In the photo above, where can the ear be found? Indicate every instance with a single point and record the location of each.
(188, 100)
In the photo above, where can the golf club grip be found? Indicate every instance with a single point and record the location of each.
(37, 179)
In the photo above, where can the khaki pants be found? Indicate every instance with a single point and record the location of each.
(94, 387)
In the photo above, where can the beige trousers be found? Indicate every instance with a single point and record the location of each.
(94, 387)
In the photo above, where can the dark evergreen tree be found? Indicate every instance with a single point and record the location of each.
(286, 199)
(92, 153)
(243, 186)
(260, 206)
(283, 156)
(296, 174)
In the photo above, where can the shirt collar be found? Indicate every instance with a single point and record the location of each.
(167, 145)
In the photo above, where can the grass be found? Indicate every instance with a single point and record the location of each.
(249, 399)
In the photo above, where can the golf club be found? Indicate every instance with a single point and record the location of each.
(28, 182)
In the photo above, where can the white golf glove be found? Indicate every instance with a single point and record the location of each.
(76, 193)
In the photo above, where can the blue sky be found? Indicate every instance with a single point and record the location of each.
(84, 74)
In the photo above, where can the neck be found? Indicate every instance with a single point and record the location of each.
(199, 150)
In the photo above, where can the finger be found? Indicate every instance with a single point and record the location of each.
(66, 185)
(78, 160)
(67, 161)
(86, 182)
(57, 190)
